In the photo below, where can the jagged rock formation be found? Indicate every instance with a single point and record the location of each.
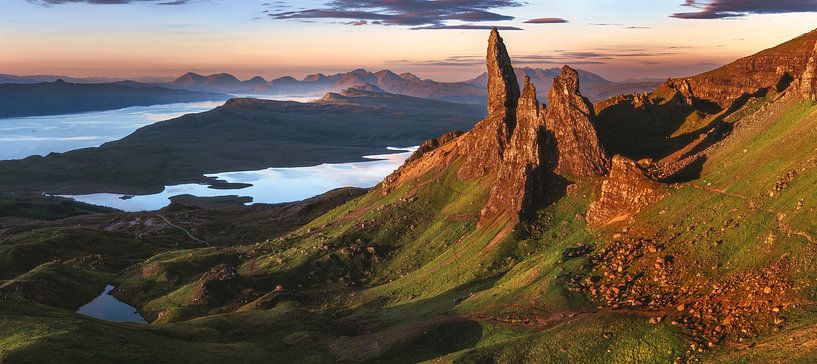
(625, 192)
(520, 146)
(571, 119)
(434, 143)
(684, 90)
(503, 89)
(808, 82)
(486, 145)
(521, 178)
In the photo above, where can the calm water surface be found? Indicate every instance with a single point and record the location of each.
(271, 185)
(40, 135)
(107, 307)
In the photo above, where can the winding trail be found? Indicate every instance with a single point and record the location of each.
(205, 242)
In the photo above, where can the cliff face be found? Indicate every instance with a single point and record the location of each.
(521, 180)
(808, 82)
(485, 145)
(623, 194)
(770, 68)
(571, 119)
(503, 89)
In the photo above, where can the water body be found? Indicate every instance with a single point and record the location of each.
(40, 135)
(271, 185)
(107, 307)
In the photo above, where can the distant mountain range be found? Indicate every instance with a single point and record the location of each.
(6, 78)
(60, 97)
(593, 86)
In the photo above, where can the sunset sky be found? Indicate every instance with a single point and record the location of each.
(617, 39)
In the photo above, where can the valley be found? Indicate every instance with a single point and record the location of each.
(669, 224)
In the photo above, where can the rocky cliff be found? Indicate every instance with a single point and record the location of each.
(571, 119)
(625, 192)
(520, 147)
(774, 67)
(521, 180)
(808, 81)
(485, 145)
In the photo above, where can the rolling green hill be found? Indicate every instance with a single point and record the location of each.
(503, 244)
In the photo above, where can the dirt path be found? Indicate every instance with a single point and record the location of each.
(184, 230)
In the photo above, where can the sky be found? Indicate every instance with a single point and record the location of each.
(439, 39)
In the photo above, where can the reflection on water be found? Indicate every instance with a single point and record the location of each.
(271, 185)
(107, 307)
(40, 135)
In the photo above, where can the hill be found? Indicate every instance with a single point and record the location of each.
(526, 239)
(60, 97)
(242, 134)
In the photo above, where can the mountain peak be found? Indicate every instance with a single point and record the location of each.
(503, 89)
(190, 76)
(486, 143)
(571, 119)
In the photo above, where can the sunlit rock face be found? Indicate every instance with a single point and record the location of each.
(808, 82)
(571, 119)
(623, 194)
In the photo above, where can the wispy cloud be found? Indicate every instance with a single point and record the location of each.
(418, 14)
(109, 2)
(559, 57)
(724, 9)
(465, 27)
(546, 21)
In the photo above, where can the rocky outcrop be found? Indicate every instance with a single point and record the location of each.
(220, 284)
(808, 82)
(432, 144)
(503, 89)
(623, 194)
(520, 147)
(485, 145)
(521, 180)
(571, 119)
(411, 164)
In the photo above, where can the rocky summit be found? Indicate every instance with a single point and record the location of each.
(522, 146)
(571, 120)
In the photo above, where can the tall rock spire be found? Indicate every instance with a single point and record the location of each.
(486, 144)
(522, 176)
(503, 89)
(571, 119)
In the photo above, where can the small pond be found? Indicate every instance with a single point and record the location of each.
(107, 307)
